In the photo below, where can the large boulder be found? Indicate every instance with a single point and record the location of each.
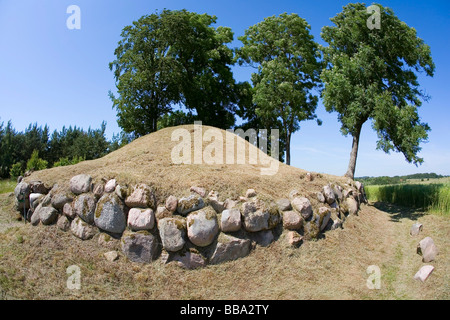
(82, 230)
(68, 211)
(187, 260)
(80, 184)
(322, 217)
(172, 232)
(188, 204)
(416, 228)
(142, 196)
(258, 216)
(427, 249)
(284, 205)
(109, 214)
(35, 199)
(141, 246)
(110, 186)
(329, 194)
(63, 223)
(47, 215)
(202, 226)
(59, 199)
(171, 203)
(84, 207)
(303, 206)
(352, 206)
(22, 195)
(141, 219)
(292, 220)
(38, 187)
(424, 273)
(230, 220)
(230, 248)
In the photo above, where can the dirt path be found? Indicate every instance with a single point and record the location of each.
(404, 261)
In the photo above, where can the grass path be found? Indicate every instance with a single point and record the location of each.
(33, 262)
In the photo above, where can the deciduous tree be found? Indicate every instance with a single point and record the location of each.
(371, 74)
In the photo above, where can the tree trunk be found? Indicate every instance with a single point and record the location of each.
(354, 154)
(288, 148)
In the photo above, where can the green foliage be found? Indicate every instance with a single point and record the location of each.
(16, 170)
(35, 163)
(371, 74)
(384, 180)
(71, 143)
(66, 162)
(175, 118)
(169, 58)
(7, 185)
(432, 197)
(285, 55)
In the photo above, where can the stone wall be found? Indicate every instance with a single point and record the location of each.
(193, 231)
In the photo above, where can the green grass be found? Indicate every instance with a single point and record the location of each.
(434, 198)
(7, 186)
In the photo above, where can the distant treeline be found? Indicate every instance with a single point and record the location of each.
(397, 179)
(36, 148)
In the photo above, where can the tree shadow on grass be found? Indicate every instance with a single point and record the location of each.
(397, 212)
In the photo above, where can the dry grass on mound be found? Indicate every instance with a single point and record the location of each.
(148, 160)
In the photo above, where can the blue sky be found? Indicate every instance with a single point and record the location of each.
(56, 76)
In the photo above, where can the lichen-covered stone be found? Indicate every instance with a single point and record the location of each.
(230, 248)
(329, 194)
(141, 246)
(22, 195)
(293, 238)
(141, 219)
(292, 220)
(162, 212)
(48, 215)
(84, 207)
(230, 220)
(303, 206)
(63, 223)
(172, 232)
(186, 260)
(258, 216)
(142, 196)
(255, 216)
(110, 186)
(284, 205)
(68, 210)
(171, 203)
(198, 190)
(324, 216)
(352, 206)
(80, 184)
(59, 199)
(82, 230)
(202, 226)
(109, 214)
(192, 203)
(98, 191)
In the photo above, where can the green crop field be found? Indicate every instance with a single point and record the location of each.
(7, 185)
(431, 197)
